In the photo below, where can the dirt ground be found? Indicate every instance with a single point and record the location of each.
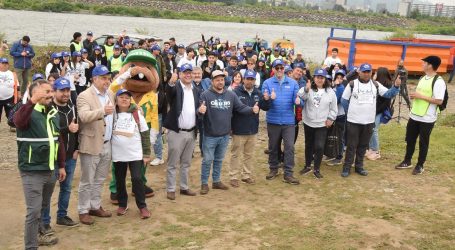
(389, 209)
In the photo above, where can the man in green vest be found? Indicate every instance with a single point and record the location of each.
(76, 43)
(114, 64)
(424, 113)
(40, 148)
(109, 47)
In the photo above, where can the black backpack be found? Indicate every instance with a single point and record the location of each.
(445, 100)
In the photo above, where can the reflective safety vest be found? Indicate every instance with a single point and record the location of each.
(38, 145)
(109, 50)
(116, 63)
(424, 87)
(77, 46)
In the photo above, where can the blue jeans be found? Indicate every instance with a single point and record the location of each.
(374, 141)
(214, 149)
(64, 194)
(158, 146)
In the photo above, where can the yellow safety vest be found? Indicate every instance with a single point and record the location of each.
(424, 87)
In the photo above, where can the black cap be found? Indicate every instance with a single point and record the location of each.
(435, 61)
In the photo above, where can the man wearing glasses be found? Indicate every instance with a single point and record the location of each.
(280, 120)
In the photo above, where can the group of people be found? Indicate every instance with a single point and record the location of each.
(80, 109)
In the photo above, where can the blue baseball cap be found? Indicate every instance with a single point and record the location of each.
(287, 68)
(320, 72)
(123, 91)
(56, 55)
(116, 46)
(283, 50)
(186, 67)
(3, 60)
(250, 74)
(84, 51)
(227, 54)
(77, 53)
(240, 58)
(299, 65)
(62, 83)
(155, 47)
(171, 51)
(181, 46)
(100, 70)
(37, 76)
(276, 49)
(248, 44)
(65, 53)
(277, 62)
(365, 67)
(89, 33)
(261, 59)
(126, 41)
(97, 47)
(340, 72)
(328, 76)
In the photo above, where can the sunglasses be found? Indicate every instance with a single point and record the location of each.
(279, 68)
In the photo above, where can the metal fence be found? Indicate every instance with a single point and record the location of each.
(434, 10)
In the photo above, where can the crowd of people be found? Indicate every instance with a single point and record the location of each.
(77, 109)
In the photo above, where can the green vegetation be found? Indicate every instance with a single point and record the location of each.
(423, 24)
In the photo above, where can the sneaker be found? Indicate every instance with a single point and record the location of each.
(373, 155)
(148, 192)
(403, 165)
(346, 171)
(248, 181)
(47, 230)
(305, 170)
(145, 213)
(361, 171)
(266, 151)
(157, 161)
(326, 158)
(291, 180)
(234, 183)
(47, 240)
(418, 170)
(318, 175)
(114, 199)
(67, 221)
(204, 189)
(335, 162)
(272, 174)
(219, 185)
(121, 211)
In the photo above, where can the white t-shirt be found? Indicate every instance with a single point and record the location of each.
(200, 60)
(68, 77)
(329, 61)
(6, 85)
(126, 138)
(78, 70)
(186, 60)
(438, 93)
(362, 104)
(48, 70)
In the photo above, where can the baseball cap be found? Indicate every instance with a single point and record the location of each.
(277, 49)
(100, 70)
(181, 46)
(283, 50)
(3, 60)
(261, 59)
(287, 68)
(37, 76)
(186, 67)
(155, 47)
(240, 58)
(77, 53)
(97, 47)
(171, 51)
(123, 91)
(56, 55)
(435, 61)
(62, 83)
(89, 33)
(365, 67)
(65, 53)
(116, 46)
(84, 51)
(250, 74)
(328, 76)
(126, 41)
(217, 73)
(320, 72)
(227, 54)
(299, 65)
(248, 44)
(340, 72)
(277, 62)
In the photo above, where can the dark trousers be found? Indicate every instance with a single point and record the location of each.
(340, 126)
(6, 105)
(287, 133)
(358, 139)
(200, 128)
(314, 145)
(422, 130)
(136, 179)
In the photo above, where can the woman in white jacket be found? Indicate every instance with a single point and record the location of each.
(319, 112)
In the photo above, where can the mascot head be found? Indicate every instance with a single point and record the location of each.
(145, 77)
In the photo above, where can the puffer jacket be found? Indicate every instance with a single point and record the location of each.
(281, 110)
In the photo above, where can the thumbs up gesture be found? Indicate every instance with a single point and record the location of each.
(202, 108)
(297, 100)
(266, 95)
(273, 95)
(73, 127)
(256, 108)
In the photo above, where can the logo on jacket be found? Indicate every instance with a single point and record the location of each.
(220, 104)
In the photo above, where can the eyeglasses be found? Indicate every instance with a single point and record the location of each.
(279, 68)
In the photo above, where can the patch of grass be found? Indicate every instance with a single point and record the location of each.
(448, 120)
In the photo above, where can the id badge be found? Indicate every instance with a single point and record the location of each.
(125, 127)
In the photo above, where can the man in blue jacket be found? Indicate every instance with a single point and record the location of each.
(22, 52)
(281, 120)
(244, 130)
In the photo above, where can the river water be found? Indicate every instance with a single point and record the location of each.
(58, 28)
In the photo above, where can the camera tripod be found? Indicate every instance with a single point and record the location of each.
(401, 96)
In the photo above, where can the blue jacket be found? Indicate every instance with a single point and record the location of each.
(281, 110)
(248, 124)
(22, 62)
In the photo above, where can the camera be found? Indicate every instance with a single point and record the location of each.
(402, 74)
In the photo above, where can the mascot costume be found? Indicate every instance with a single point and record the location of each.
(139, 76)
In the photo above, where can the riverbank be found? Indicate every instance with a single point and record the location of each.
(238, 13)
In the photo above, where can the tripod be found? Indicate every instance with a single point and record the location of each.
(401, 96)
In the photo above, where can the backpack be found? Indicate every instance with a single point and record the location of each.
(445, 100)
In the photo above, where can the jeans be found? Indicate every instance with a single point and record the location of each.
(22, 77)
(422, 130)
(158, 146)
(64, 194)
(214, 149)
(374, 141)
(136, 179)
(314, 145)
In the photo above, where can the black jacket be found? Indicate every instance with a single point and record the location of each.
(248, 124)
(67, 113)
(168, 63)
(205, 65)
(89, 46)
(174, 96)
